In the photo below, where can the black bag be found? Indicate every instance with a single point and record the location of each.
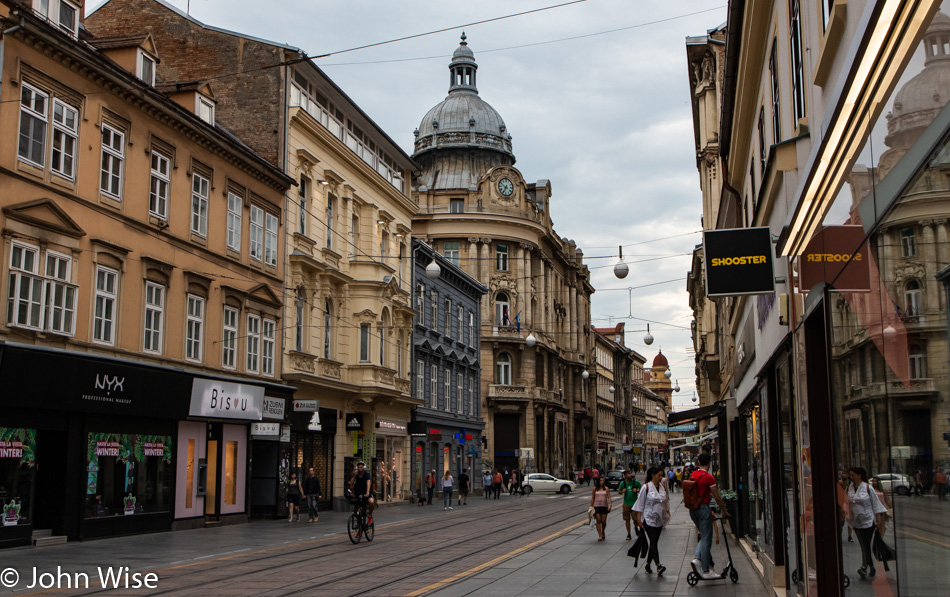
(882, 551)
(639, 548)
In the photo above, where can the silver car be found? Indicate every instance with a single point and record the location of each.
(543, 482)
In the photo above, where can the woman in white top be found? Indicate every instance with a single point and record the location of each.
(866, 510)
(447, 483)
(652, 512)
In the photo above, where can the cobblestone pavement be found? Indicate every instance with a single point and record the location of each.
(537, 545)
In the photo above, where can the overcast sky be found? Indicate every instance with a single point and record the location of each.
(606, 118)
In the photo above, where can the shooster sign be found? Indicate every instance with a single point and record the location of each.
(738, 261)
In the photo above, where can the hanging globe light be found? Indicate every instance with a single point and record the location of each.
(648, 339)
(889, 332)
(585, 375)
(694, 397)
(531, 341)
(611, 389)
(621, 269)
(667, 374)
(433, 270)
(676, 388)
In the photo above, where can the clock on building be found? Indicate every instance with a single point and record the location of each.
(506, 187)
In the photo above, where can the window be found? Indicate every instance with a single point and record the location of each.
(908, 242)
(146, 68)
(25, 291)
(448, 384)
(65, 135)
(298, 320)
(34, 104)
(59, 12)
(199, 204)
(503, 369)
(253, 343)
(158, 185)
(384, 245)
(761, 127)
(382, 341)
(269, 343)
(420, 380)
(826, 6)
(471, 395)
(364, 342)
(502, 316)
(113, 156)
(451, 251)
(60, 294)
(229, 339)
(501, 257)
(330, 202)
(798, 67)
(912, 299)
(435, 309)
(433, 387)
(456, 206)
(303, 195)
(399, 356)
(918, 362)
(327, 330)
(154, 317)
(461, 326)
(448, 317)
(194, 327)
(257, 233)
(459, 389)
(753, 185)
(270, 240)
(420, 304)
(354, 236)
(471, 328)
(402, 260)
(103, 323)
(776, 98)
(204, 108)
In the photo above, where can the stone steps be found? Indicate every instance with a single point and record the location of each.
(45, 538)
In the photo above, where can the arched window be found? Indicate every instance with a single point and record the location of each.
(502, 307)
(327, 329)
(912, 299)
(918, 361)
(503, 369)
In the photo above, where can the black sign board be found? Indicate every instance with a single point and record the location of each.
(738, 261)
(354, 422)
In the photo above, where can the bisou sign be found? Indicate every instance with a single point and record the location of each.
(738, 261)
(226, 400)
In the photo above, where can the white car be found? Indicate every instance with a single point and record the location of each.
(542, 482)
(894, 483)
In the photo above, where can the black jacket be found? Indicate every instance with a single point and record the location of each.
(311, 486)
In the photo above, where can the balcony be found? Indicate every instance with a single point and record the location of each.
(508, 393)
(549, 396)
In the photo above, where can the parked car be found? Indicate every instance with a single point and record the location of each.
(613, 478)
(894, 483)
(542, 482)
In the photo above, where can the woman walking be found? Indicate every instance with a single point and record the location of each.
(294, 491)
(652, 513)
(866, 511)
(883, 498)
(447, 483)
(600, 502)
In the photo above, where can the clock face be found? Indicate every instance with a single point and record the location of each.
(506, 187)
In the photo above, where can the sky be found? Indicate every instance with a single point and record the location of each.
(605, 117)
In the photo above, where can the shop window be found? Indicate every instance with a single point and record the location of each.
(17, 469)
(127, 474)
(503, 369)
(908, 242)
(230, 473)
(912, 299)
(190, 475)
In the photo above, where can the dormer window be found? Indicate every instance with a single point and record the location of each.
(146, 68)
(205, 110)
(61, 13)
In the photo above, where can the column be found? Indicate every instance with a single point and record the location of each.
(484, 265)
(528, 282)
(471, 264)
(929, 252)
(517, 269)
(941, 225)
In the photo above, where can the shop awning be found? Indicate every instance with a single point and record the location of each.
(696, 414)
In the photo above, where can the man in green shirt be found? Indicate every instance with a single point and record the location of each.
(629, 488)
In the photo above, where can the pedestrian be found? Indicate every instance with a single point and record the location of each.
(311, 491)
(600, 502)
(679, 478)
(652, 513)
(464, 486)
(703, 518)
(294, 491)
(866, 512)
(883, 498)
(580, 477)
(513, 482)
(671, 480)
(628, 488)
(940, 485)
(497, 480)
(919, 483)
(447, 483)
(587, 475)
(595, 474)
(487, 482)
(430, 485)
(506, 478)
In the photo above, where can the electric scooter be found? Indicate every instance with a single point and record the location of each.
(693, 579)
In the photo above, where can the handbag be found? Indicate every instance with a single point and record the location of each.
(882, 551)
(639, 548)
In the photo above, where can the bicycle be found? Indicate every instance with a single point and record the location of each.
(358, 525)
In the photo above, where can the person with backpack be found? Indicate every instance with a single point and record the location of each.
(629, 488)
(697, 492)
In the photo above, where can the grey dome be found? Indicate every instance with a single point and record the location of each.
(462, 119)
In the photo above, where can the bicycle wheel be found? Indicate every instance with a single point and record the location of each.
(370, 530)
(353, 528)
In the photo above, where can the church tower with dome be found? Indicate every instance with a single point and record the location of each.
(477, 210)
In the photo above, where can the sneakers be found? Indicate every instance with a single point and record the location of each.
(628, 536)
(872, 571)
(444, 508)
(697, 565)
(648, 569)
(710, 575)
(850, 539)
(660, 569)
(370, 521)
(451, 508)
(861, 572)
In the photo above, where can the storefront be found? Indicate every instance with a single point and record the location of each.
(312, 429)
(113, 447)
(391, 449)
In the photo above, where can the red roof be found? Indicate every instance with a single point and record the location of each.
(660, 361)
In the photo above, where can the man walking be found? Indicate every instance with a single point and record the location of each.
(496, 483)
(629, 488)
(703, 517)
(487, 483)
(940, 485)
(311, 490)
(464, 486)
(430, 485)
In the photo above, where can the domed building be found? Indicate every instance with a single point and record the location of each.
(478, 210)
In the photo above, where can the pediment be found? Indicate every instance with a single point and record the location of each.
(44, 213)
(262, 293)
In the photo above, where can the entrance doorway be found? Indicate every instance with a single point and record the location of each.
(50, 503)
(211, 498)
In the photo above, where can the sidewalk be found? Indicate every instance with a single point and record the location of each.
(577, 564)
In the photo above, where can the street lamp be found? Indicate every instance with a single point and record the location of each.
(531, 341)
(667, 374)
(648, 339)
(621, 269)
(676, 388)
(611, 389)
(433, 270)
(585, 375)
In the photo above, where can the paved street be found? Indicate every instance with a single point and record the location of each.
(539, 545)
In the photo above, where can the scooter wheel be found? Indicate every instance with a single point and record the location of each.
(693, 579)
(734, 576)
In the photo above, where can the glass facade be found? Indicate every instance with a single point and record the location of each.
(127, 474)
(17, 470)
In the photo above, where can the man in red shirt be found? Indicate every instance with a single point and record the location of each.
(703, 517)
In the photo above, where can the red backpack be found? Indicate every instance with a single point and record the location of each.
(691, 496)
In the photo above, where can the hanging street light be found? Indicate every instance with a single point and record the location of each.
(585, 375)
(676, 388)
(648, 339)
(667, 374)
(611, 389)
(531, 341)
(621, 269)
(433, 270)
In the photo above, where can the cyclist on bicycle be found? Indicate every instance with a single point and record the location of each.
(362, 489)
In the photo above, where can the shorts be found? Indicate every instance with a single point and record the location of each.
(627, 512)
(293, 499)
(601, 510)
(463, 490)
